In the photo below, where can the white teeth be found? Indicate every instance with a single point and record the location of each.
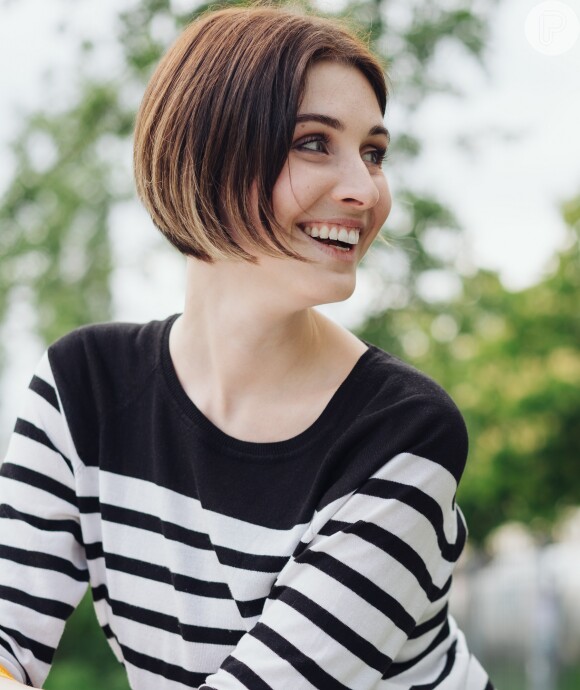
(335, 232)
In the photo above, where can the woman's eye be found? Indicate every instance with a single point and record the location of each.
(375, 156)
(318, 144)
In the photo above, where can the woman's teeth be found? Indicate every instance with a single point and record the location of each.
(333, 232)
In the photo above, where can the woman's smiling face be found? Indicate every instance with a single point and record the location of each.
(333, 180)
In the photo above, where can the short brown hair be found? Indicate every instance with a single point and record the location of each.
(217, 120)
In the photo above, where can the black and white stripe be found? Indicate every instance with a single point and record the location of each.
(191, 593)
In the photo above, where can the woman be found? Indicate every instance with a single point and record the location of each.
(257, 498)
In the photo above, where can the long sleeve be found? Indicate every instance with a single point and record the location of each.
(363, 601)
(43, 572)
(323, 561)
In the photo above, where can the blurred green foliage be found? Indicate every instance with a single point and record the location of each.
(84, 661)
(511, 361)
(54, 215)
(512, 675)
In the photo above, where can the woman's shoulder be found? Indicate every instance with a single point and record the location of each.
(113, 345)
(106, 360)
(112, 338)
(394, 377)
(410, 412)
(386, 381)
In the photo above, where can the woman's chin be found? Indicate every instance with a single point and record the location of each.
(332, 291)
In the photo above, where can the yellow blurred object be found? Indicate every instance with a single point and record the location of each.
(4, 673)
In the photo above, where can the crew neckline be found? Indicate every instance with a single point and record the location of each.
(322, 425)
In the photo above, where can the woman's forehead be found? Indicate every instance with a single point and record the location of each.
(339, 91)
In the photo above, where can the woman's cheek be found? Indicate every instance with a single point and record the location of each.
(385, 201)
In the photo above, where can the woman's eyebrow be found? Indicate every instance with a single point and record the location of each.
(323, 119)
(337, 124)
(380, 129)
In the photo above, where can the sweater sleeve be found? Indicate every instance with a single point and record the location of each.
(363, 601)
(43, 572)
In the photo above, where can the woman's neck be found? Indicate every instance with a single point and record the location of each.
(238, 341)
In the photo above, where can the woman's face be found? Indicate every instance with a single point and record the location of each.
(332, 196)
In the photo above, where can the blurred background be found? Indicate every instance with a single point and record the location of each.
(477, 284)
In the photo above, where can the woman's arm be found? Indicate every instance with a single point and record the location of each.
(43, 572)
(363, 604)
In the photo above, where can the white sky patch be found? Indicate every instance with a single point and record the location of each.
(149, 278)
(522, 161)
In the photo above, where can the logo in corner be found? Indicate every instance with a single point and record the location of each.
(552, 27)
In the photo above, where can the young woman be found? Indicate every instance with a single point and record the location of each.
(257, 498)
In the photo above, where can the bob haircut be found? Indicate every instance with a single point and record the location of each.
(217, 122)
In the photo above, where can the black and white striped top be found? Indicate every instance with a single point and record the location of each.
(323, 561)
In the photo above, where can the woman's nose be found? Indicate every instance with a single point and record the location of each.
(355, 185)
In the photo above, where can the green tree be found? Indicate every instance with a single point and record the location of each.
(511, 361)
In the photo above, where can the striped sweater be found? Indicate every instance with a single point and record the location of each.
(322, 561)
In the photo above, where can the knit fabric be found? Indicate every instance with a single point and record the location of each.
(322, 561)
